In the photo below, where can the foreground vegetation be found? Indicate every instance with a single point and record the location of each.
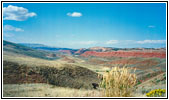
(119, 82)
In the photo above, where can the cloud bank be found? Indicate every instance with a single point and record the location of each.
(8, 35)
(112, 42)
(120, 42)
(151, 42)
(12, 28)
(135, 42)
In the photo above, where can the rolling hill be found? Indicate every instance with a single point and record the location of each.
(23, 64)
(23, 50)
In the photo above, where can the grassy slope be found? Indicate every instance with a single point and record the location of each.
(45, 90)
(81, 62)
(29, 90)
(157, 82)
(55, 72)
(31, 61)
(22, 59)
(23, 50)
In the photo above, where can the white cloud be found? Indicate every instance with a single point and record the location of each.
(112, 42)
(151, 41)
(8, 34)
(151, 26)
(75, 14)
(87, 42)
(16, 13)
(12, 28)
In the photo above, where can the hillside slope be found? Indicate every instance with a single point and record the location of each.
(64, 75)
(23, 50)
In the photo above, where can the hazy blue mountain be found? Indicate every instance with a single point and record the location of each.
(44, 47)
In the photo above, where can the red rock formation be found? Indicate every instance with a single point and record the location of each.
(125, 54)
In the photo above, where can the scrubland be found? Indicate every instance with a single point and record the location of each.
(25, 76)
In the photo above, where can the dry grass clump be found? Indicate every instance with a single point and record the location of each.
(118, 82)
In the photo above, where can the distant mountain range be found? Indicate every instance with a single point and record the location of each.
(47, 52)
(98, 49)
(44, 47)
(67, 50)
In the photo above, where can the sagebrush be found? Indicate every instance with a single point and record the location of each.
(118, 82)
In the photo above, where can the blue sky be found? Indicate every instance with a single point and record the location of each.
(83, 25)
